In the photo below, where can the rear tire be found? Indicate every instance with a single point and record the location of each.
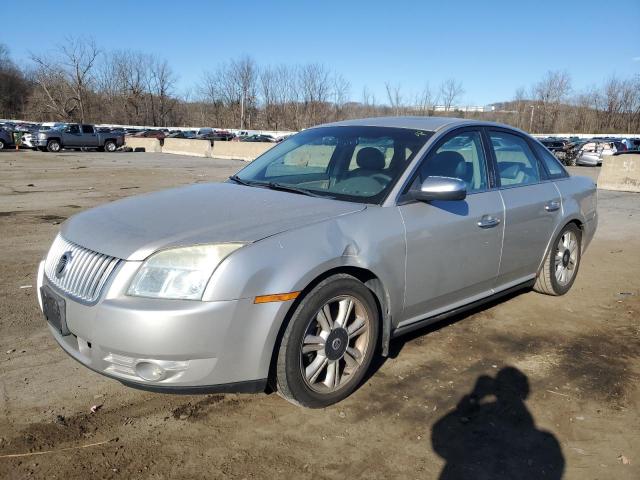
(339, 350)
(53, 146)
(561, 264)
(110, 146)
(2, 145)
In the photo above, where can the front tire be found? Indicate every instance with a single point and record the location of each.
(53, 146)
(561, 265)
(328, 344)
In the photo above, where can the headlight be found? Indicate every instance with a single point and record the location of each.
(179, 273)
(42, 135)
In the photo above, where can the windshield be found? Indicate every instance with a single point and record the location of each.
(351, 163)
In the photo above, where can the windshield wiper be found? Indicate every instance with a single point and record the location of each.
(290, 188)
(276, 186)
(237, 179)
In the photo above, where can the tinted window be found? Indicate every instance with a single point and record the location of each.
(349, 163)
(74, 129)
(550, 161)
(460, 157)
(87, 129)
(517, 165)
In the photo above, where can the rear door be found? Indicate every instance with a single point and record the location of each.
(89, 138)
(453, 247)
(532, 206)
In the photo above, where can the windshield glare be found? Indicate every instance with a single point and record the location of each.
(351, 163)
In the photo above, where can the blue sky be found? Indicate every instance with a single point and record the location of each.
(493, 47)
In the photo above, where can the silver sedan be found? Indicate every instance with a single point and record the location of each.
(299, 269)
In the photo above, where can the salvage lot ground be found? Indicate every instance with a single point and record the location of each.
(580, 353)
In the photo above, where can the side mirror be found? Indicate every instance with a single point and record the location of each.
(440, 188)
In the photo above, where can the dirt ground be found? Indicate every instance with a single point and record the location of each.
(558, 377)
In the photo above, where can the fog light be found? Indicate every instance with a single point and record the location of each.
(149, 371)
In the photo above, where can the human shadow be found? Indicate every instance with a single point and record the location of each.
(492, 435)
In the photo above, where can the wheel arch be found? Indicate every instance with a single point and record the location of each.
(364, 275)
(575, 220)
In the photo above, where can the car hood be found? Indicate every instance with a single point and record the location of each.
(135, 227)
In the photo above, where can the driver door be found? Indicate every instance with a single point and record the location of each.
(453, 247)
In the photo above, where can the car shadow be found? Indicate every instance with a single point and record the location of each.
(492, 435)
(397, 344)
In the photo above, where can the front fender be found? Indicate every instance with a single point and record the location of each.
(372, 239)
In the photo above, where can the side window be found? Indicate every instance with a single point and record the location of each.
(74, 129)
(550, 161)
(460, 157)
(517, 165)
(87, 129)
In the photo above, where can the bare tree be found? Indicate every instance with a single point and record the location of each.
(426, 101)
(161, 83)
(14, 86)
(394, 95)
(450, 93)
(341, 89)
(315, 87)
(550, 94)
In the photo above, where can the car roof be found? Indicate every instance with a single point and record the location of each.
(417, 123)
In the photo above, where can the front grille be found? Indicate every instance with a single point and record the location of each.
(85, 274)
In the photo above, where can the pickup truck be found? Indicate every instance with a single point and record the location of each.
(77, 136)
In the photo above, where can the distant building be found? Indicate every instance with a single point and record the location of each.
(465, 108)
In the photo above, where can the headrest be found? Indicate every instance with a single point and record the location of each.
(370, 158)
(446, 164)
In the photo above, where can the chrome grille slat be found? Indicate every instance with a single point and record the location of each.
(87, 272)
(99, 271)
(76, 267)
(95, 268)
(82, 265)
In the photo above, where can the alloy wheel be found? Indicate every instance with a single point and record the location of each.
(566, 258)
(335, 344)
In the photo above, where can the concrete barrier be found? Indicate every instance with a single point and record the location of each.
(620, 172)
(185, 146)
(246, 151)
(149, 144)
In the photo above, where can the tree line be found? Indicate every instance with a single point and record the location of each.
(79, 82)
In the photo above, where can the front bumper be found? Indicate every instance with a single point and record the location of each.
(212, 346)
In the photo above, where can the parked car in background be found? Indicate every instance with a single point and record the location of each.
(77, 136)
(258, 138)
(283, 274)
(592, 151)
(6, 138)
(215, 135)
(182, 134)
(159, 134)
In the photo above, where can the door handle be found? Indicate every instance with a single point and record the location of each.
(488, 221)
(552, 206)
